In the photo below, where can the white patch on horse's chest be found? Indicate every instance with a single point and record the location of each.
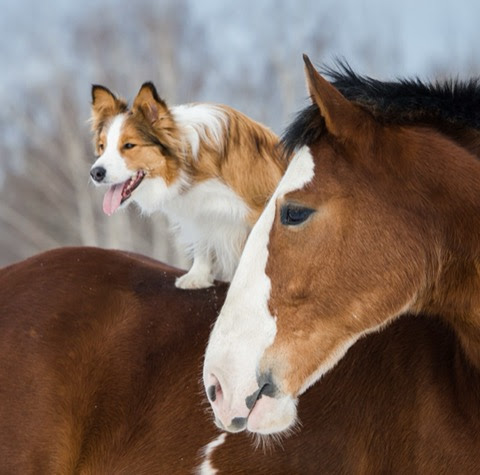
(206, 467)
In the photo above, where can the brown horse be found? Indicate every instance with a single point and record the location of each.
(101, 362)
(378, 215)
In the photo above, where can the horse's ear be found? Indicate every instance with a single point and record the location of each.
(338, 112)
(105, 104)
(149, 102)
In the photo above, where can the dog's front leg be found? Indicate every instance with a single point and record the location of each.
(200, 274)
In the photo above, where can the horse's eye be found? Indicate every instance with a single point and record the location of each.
(291, 215)
(128, 146)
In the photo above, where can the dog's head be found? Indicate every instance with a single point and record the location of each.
(138, 148)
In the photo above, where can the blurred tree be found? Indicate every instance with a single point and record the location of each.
(46, 199)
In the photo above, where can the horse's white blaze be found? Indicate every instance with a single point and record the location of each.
(245, 327)
(111, 159)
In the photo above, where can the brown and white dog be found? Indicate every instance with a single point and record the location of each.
(208, 167)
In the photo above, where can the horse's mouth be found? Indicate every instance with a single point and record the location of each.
(117, 194)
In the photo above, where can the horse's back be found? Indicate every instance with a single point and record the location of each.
(88, 339)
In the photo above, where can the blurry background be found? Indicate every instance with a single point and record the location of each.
(243, 53)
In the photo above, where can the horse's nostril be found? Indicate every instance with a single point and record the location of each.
(238, 424)
(98, 173)
(268, 389)
(265, 390)
(214, 391)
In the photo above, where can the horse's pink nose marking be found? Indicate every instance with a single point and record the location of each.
(232, 419)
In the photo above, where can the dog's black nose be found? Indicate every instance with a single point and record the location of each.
(98, 173)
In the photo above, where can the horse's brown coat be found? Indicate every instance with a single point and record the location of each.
(100, 374)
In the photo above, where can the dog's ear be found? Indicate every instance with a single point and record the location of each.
(149, 102)
(105, 104)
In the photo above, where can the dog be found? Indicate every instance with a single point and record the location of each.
(209, 168)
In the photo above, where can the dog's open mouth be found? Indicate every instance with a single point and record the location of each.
(119, 193)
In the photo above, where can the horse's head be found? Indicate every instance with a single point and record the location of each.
(345, 245)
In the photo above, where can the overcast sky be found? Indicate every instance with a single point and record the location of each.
(378, 37)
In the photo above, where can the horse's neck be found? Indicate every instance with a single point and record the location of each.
(469, 337)
(457, 295)
(465, 318)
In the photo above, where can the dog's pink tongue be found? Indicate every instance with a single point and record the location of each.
(112, 199)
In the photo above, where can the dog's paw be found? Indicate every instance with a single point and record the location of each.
(193, 281)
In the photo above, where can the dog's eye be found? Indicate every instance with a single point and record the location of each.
(292, 215)
(128, 146)
(100, 147)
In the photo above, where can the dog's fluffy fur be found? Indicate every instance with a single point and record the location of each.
(208, 167)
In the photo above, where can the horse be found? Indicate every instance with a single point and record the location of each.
(102, 355)
(376, 220)
(101, 374)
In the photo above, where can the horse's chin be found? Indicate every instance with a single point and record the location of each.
(273, 415)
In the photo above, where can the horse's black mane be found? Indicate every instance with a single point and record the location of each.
(449, 105)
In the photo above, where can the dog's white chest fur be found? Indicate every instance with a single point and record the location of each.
(210, 220)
